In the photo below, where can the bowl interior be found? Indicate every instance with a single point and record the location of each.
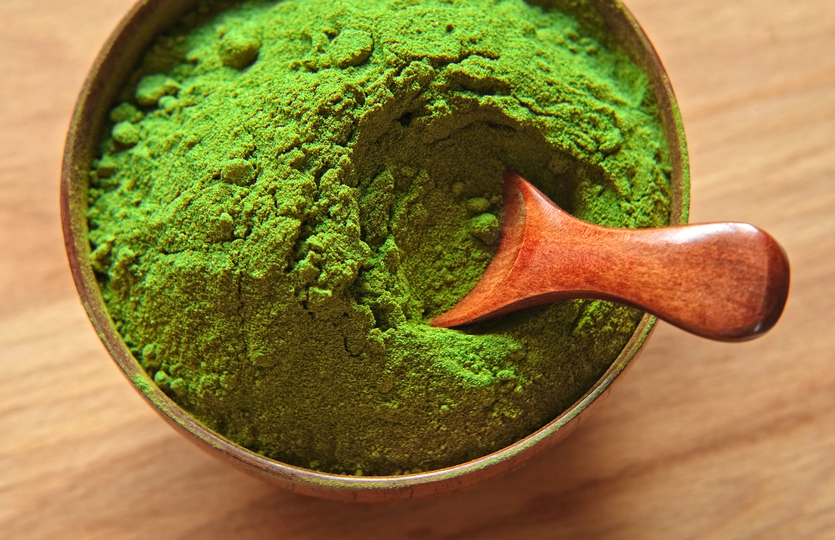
(117, 59)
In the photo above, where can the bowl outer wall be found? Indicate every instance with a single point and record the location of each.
(146, 20)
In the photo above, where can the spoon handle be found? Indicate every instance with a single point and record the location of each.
(723, 281)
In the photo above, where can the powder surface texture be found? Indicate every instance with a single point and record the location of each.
(289, 192)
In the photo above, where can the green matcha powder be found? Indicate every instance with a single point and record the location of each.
(289, 192)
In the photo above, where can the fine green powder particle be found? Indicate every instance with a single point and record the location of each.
(290, 191)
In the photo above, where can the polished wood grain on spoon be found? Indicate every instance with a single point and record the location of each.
(723, 281)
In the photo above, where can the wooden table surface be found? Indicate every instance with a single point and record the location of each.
(700, 439)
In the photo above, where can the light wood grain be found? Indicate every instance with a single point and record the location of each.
(700, 439)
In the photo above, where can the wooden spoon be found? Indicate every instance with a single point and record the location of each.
(723, 281)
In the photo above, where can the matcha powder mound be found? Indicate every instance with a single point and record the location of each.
(288, 192)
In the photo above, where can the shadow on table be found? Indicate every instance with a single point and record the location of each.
(552, 496)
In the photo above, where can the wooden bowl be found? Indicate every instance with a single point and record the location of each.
(109, 73)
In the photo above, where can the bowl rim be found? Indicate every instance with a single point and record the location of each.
(142, 23)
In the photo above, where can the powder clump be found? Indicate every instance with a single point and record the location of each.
(239, 48)
(271, 240)
(151, 88)
(485, 227)
(126, 134)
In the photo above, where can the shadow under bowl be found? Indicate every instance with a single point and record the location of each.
(110, 72)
